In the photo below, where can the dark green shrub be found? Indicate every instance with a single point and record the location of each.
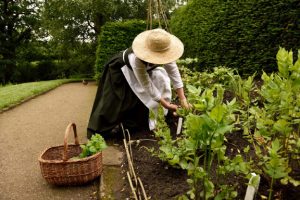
(245, 35)
(24, 72)
(7, 67)
(115, 37)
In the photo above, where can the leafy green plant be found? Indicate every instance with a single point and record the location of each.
(207, 132)
(276, 132)
(275, 165)
(200, 149)
(270, 122)
(93, 146)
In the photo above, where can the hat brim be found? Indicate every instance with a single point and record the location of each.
(140, 49)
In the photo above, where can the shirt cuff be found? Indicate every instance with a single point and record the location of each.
(178, 85)
(157, 98)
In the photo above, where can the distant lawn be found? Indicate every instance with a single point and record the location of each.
(11, 95)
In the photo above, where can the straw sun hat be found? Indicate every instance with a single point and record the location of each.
(157, 46)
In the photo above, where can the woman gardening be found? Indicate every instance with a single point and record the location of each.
(133, 82)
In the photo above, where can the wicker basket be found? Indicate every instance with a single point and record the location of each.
(57, 169)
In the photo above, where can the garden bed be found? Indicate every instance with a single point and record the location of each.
(160, 180)
(163, 182)
(234, 128)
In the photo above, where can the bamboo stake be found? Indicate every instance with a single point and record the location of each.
(157, 12)
(139, 193)
(143, 189)
(164, 16)
(123, 131)
(131, 169)
(131, 186)
(130, 149)
(150, 14)
(141, 140)
(128, 157)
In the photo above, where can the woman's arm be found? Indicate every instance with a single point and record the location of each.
(182, 98)
(141, 74)
(175, 76)
(168, 105)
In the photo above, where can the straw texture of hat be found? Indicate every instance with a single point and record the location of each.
(157, 46)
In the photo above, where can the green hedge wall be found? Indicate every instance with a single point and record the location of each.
(115, 37)
(245, 35)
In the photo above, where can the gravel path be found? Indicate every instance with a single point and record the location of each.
(30, 128)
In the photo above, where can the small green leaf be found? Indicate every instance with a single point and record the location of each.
(284, 61)
(94, 145)
(174, 161)
(218, 113)
(282, 126)
(92, 149)
(246, 150)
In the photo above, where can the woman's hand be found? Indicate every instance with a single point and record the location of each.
(172, 107)
(168, 105)
(183, 101)
(185, 104)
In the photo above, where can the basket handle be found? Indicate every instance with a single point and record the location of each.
(68, 130)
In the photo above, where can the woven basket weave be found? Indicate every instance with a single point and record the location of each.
(57, 169)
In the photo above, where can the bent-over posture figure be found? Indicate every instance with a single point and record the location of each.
(136, 80)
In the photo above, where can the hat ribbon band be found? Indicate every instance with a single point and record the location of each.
(161, 50)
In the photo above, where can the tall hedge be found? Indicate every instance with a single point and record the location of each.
(239, 34)
(115, 37)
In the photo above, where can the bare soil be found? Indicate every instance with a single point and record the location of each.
(161, 181)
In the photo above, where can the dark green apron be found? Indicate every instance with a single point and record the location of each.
(115, 102)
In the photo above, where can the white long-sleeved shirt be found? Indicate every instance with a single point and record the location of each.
(151, 86)
(142, 76)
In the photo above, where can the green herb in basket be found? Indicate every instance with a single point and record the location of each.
(93, 146)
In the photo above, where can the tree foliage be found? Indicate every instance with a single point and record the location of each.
(240, 34)
(68, 20)
(57, 38)
(17, 22)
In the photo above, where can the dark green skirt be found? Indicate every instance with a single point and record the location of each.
(116, 103)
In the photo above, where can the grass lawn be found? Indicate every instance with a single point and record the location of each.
(11, 95)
